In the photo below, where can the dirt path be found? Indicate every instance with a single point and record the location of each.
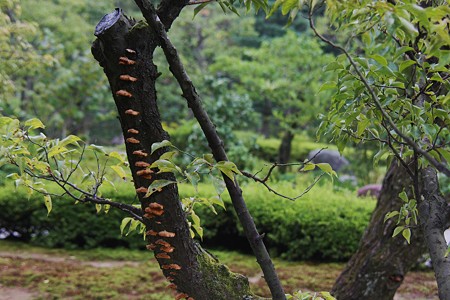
(67, 259)
(15, 293)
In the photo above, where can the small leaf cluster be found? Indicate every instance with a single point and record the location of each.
(406, 217)
(38, 160)
(193, 172)
(400, 52)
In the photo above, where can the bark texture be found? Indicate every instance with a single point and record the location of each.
(379, 266)
(125, 49)
(434, 216)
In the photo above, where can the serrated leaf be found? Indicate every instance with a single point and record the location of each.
(397, 230)
(34, 123)
(120, 171)
(407, 235)
(157, 186)
(156, 146)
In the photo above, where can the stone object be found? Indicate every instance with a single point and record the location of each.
(331, 157)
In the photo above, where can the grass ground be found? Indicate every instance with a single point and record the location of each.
(131, 274)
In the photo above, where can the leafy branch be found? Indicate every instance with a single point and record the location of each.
(439, 166)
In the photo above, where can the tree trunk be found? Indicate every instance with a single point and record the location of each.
(434, 214)
(379, 266)
(284, 153)
(125, 49)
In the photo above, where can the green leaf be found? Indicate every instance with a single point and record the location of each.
(5, 121)
(48, 203)
(34, 123)
(327, 296)
(156, 146)
(219, 184)
(406, 64)
(209, 158)
(390, 215)
(98, 208)
(157, 186)
(98, 149)
(199, 8)
(407, 235)
(308, 167)
(397, 230)
(124, 223)
(193, 178)
(379, 59)
(168, 155)
(327, 168)
(228, 168)
(70, 140)
(120, 171)
(117, 156)
(56, 150)
(403, 196)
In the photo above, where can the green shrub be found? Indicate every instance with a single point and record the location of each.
(324, 224)
(68, 225)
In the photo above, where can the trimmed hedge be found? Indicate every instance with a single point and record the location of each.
(324, 224)
(68, 225)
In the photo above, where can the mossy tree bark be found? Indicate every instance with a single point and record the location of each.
(379, 266)
(125, 51)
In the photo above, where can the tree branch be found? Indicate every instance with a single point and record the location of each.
(439, 166)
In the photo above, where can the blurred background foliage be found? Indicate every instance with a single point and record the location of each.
(259, 81)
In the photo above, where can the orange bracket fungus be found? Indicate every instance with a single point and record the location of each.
(151, 232)
(142, 190)
(131, 112)
(126, 61)
(140, 153)
(127, 78)
(133, 131)
(162, 256)
(132, 141)
(141, 164)
(165, 233)
(124, 93)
